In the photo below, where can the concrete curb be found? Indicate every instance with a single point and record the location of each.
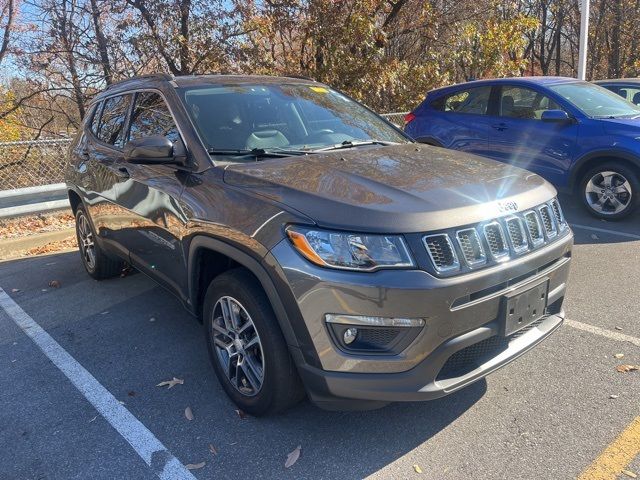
(14, 247)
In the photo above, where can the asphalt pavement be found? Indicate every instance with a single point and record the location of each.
(548, 415)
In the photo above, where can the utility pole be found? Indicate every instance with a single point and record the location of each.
(584, 36)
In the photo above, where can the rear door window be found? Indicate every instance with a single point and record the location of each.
(473, 101)
(151, 116)
(95, 120)
(113, 119)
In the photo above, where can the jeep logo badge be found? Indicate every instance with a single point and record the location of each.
(505, 207)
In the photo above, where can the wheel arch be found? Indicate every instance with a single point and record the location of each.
(587, 162)
(74, 200)
(203, 248)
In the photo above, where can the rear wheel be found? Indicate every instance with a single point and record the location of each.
(246, 347)
(610, 191)
(95, 261)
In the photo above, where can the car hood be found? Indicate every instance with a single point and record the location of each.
(404, 188)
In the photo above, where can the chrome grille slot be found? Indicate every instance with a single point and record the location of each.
(517, 234)
(534, 227)
(472, 249)
(441, 252)
(559, 216)
(494, 235)
(547, 221)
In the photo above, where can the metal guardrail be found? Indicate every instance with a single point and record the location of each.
(31, 173)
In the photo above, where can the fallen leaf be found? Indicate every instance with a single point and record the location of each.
(417, 468)
(213, 450)
(618, 355)
(131, 393)
(594, 236)
(618, 328)
(171, 383)
(613, 396)
(629, 473)
(54, 284)
(627, 368)
(293, 457)
(188, 413)
(104, 313)
(195, 466)
(93, 419)
(152, 319)
(241, 414)
(15, 290)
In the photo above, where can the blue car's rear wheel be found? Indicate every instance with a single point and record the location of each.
(610, 191)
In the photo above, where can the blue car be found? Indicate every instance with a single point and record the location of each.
(581, 137)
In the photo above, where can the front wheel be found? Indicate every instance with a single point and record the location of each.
(246, 347)
(610, 191)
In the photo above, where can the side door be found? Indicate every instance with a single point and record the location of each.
(99, 169)
(519, 136)
(149, 197)
(460, 120)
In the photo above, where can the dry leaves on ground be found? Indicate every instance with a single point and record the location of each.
(188, 414)
(417, 468)
(54, 284)
(212, 449)
(293, 457)
(241, 414)
(195, 466)
(30, 225)
(627, 368)
(171, 383)
(618, 355)
(630, 474)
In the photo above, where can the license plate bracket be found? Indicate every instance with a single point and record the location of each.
(523, 307)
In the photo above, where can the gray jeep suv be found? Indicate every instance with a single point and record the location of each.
(324, 252)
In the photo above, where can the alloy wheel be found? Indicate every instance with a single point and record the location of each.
(237, 345)
(608, 192)
(86, 243)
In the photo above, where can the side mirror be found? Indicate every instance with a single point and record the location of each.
(556, 116)
(154, 149)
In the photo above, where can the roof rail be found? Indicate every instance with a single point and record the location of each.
(159, 76)
(301, 77)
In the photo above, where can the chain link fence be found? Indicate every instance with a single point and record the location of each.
(32, 163)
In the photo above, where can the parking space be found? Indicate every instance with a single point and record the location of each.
(548, 415)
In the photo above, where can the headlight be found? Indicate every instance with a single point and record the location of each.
(350, 251)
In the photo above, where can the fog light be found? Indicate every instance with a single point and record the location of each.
(350, 335)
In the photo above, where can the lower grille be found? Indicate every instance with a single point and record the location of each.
(471, 357)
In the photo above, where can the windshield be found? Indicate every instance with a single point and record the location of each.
(595, 101)
(295, 118)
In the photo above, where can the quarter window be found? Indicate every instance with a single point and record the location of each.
(96, 118)
(112, 122)
(151, 116)
(472, 101)
(524, 103)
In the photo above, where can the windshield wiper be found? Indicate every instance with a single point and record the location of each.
(353, 143)
(258, 152)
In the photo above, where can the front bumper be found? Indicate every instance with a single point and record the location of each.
(462, 317)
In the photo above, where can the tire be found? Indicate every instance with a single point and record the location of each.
(613, 202)
(97, 264)
(268, 381)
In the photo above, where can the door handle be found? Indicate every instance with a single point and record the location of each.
(123, 172)
(500, 126)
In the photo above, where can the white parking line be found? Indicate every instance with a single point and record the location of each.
(621, 337)
(605, 230)
(145, 444)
